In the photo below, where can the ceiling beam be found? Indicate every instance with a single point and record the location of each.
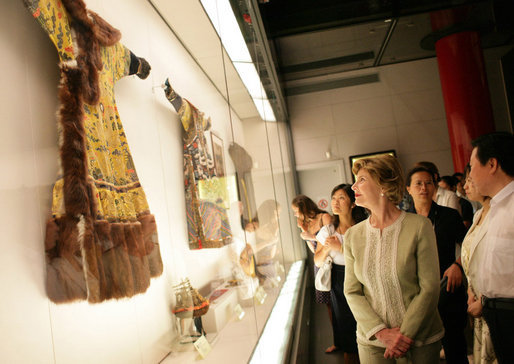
(385, 42)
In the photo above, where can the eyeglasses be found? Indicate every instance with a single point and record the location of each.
(420, 184)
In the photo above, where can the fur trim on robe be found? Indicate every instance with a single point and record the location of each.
(87, 258)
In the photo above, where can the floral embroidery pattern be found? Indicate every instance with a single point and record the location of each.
(380, 272)
(110, 163)
(52, 17)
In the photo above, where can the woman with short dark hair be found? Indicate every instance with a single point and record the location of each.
(449, 231)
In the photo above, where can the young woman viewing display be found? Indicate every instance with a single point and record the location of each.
(310, 219)
(330, 237)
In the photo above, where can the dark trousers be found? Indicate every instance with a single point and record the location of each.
(453, 312)
(499, 315)
(344, 325)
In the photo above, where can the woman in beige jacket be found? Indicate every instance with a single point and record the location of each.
(392, 271)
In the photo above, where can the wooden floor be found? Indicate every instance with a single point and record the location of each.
(321, 337)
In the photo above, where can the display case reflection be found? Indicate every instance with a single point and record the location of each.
(261, 257)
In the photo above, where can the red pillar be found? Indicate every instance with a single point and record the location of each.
(464, 84)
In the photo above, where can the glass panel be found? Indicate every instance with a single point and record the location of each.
(251, 180)
(217, 179)
(199, 39)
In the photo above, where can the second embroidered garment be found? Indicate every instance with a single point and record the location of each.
(207, 221)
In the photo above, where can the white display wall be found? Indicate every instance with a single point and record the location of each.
(139, 329)
(403, 111)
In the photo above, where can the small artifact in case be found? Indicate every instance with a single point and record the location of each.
(190, 304)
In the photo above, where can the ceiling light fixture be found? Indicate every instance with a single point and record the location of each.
(225, 23)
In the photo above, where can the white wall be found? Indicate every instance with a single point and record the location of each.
(404, 111)
(136, 330)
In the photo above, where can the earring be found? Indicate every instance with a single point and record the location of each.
(382, 194)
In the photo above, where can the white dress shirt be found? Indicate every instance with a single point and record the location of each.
(323, 234)
(447, 198)
(495, 277)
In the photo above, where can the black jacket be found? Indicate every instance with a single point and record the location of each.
(449, 231)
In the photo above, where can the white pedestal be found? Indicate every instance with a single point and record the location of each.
(220, 311)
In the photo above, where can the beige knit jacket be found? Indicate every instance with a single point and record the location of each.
(392, 279)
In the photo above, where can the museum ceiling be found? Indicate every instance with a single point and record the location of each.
(311, 39)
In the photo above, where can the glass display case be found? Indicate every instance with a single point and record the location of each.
(254, 184)
(231, 255)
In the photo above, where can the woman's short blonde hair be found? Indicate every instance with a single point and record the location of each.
(386, 172)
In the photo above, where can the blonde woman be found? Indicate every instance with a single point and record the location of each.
(472, 248)
(392, 271)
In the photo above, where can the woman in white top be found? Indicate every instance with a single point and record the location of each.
(472, 248)
(330, 239)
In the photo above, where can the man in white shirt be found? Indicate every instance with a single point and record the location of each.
(492, 172)
(447, 198)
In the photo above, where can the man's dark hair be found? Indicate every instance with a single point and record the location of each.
(449, 180)
(419, 169)
(497, 145)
